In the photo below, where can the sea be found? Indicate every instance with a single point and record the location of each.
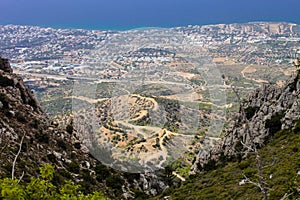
(129, 14)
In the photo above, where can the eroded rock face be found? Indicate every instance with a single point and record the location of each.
(151, 184)
(12, 86)
(266, 111)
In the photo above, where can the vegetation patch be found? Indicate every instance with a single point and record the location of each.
(43, 188)
(274, 124)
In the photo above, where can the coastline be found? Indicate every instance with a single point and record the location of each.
(102, 27)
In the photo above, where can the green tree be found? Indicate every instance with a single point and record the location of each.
(42, 188)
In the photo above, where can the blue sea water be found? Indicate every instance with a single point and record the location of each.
(128, 14)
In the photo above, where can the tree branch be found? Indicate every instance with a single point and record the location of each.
(247, 180)
(21, 177)
(249, 148)
(286, 195)
(16, 157)
(252, 147)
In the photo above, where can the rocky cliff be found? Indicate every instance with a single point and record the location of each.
(25, 128)
(266, 111)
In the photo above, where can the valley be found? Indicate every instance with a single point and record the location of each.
(143, 100)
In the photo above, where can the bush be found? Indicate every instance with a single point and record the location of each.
(250, 111)
(61, 144)
(74, 167)
(5, 101)
(274, 124)
(244, 164)
(85, 174)
(102, 172)
(20, 117)
(51, 157)
(69, 128)
(140, 195)
(77, 145)
(64, 173)
(115, 181)
(296, 129)
(42, 188)
(211, 164)
(249, 172)
(4, 81)
(42, 137)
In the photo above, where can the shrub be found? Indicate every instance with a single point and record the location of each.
(244, 164)
(102, 172)
(51, 157)
(69, 128)
(115, 181)
(42, 137)
(140, 195)
(296, 129)
(42, 188)
(64, 173)
(77, 145)
(211, 164)
(61, 144)
(274, 124)
(4, 81)
(5, 101)
(20, 117)
(74, 167)
(249, 172)
(250, 111)
(85, 174)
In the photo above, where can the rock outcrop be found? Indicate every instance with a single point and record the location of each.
(24, 125)
(266, 111)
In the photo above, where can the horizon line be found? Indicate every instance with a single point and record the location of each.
(75, 27)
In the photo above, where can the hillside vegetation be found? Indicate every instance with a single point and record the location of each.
(281, 170)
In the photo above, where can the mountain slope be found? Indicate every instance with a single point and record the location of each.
(25, 127)
(281, 170)
(268, 123)
(265, 111)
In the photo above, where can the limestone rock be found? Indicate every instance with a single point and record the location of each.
(275, 107)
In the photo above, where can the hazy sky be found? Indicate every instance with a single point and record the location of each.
(122, 14)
